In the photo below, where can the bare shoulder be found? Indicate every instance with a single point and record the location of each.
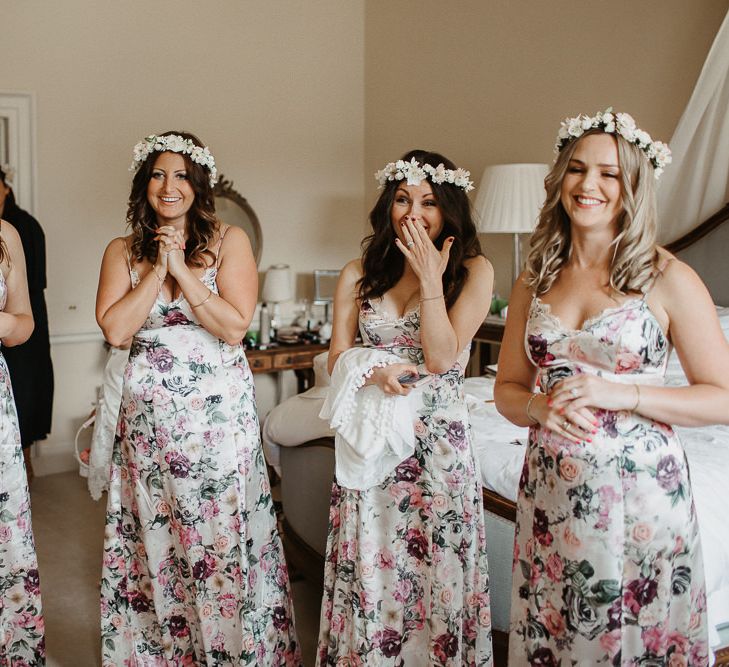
(231, 232)
(680, 292)
(677, 277)
(352, 270)
(479, 267)
(520, 299)
(233, 237)
(120, 246)
(9, 233)
(13, 246)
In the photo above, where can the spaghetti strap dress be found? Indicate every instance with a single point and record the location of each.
(607, 565)
(193, 568)
(406, 576)
(22, 636)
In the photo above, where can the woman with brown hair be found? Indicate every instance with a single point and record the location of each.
(193, 566)
(406, 575)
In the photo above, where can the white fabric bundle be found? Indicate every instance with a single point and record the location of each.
(374, 432)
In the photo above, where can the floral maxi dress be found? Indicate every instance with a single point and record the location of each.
(406, 576)
(22, 637)
(607, 564)
(193, 569)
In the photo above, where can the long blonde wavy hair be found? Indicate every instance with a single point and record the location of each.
(634, 258)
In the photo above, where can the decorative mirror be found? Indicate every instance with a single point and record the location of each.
(233, 209)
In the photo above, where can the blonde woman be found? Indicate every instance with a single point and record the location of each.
(607, 562)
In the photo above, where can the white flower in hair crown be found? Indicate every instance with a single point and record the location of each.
(9, 173)
(415, 173)
(176, 144)
(658, 153)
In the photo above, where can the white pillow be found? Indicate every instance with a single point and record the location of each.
(674, 373)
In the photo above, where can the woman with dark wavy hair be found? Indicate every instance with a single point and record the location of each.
(607, 565)
(406, 576)
(193, 569)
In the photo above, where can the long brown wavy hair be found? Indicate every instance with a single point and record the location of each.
(382, 262)
(202, 223)
(635, 257)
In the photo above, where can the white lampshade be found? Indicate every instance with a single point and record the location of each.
(509, 198)
(277, 284)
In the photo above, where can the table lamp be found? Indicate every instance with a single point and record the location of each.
(276, 290)
(508, 202)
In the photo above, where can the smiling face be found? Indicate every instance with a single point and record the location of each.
(591, 188)
(418, 203)
(169, 191)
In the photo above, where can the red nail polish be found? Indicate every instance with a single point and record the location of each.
(588, 439)
(549, 402)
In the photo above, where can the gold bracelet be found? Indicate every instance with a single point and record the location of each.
(532, 419)
(431, 298)
(205, 300)
(637, 398)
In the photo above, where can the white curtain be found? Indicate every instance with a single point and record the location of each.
(696, 184)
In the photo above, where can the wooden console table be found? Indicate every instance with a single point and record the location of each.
(487, 338)
(298, 358)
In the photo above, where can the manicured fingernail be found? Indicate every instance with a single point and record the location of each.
(594, 430)
(549, 402)
(561, 411)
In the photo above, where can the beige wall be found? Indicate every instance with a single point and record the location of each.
(274, 88)
(301, 102)
(487, 82)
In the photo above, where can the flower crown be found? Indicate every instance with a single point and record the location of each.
(9, 173)
(623, 124)
(176, 144)
(415, 174)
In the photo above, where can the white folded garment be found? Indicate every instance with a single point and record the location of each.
(374, 432)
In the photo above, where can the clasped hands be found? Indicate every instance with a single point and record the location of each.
(569, 408)
(171, 254)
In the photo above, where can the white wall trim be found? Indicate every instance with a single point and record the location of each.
(76, 338)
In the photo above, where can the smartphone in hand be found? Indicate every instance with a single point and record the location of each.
(413, 379)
